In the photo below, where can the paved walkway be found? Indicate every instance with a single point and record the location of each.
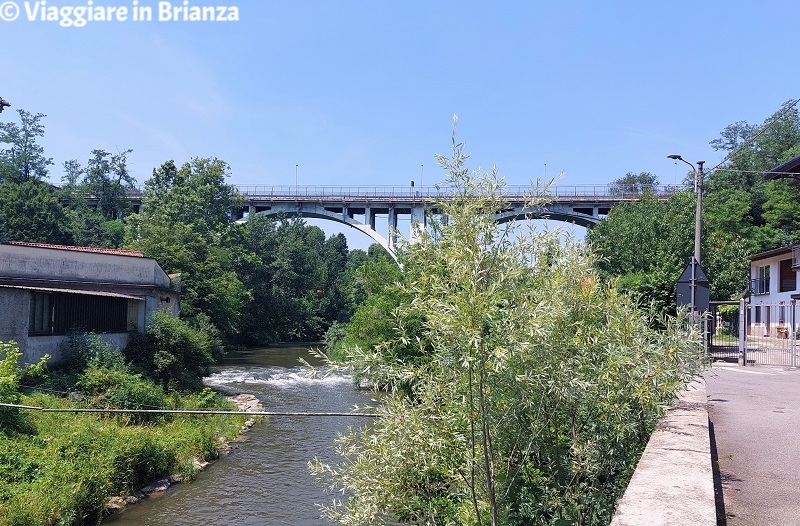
(755, 418)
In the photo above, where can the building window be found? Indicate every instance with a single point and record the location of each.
(41, 314)
(60, 313)
(760, 284)
(788, 276)
(757, 314)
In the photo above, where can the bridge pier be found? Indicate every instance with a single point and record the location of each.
(418, 224)
(392, 235)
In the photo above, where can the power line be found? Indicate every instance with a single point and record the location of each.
(759, 172)
(184, 411)
(755, 136)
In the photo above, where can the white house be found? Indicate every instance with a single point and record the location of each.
(48, 291)
(773, 287)
(773, 276)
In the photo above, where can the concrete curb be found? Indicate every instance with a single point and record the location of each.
(673, 483)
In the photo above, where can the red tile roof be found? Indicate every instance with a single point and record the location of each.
(95, 250)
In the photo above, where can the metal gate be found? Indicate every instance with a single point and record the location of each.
(755, 333)
(723, 330)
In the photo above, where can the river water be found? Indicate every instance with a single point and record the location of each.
(265, 480)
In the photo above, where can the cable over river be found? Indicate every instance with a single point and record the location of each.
(265, 480)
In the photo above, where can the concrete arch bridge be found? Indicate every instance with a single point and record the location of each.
(361, 207)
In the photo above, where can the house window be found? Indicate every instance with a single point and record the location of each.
(60, 313)
(760, 284)
(788, 276)
(757, 313)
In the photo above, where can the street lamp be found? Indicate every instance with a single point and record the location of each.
(295, 178)
(698, 223)
(698, 188)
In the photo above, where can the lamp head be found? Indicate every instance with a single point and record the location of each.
(676, 157)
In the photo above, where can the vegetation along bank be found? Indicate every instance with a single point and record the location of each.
(523, 373)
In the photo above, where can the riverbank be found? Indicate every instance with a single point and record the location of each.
(243, 402)
(62, 468)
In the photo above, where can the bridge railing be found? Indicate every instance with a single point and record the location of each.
(589, 192)
(394, 192)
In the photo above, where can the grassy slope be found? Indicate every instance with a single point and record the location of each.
(66, 467)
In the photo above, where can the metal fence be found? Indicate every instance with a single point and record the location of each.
(755, 334)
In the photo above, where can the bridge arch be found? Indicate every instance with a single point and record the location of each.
(557, 213)
(345, 215)
(319, 212)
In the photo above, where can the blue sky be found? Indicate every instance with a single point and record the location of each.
(364, 92)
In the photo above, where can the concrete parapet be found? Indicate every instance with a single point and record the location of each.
(673, 483)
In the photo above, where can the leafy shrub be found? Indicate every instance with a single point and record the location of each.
(115, 387)
(77, 351)
(12, 419)
(526, 388)
(174, 353)
(333, 337)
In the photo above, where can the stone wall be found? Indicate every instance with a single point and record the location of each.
(674, 483)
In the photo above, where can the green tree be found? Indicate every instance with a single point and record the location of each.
(539, 388)
(739, 200)
(106, 178)
(300, 282)
(197, 194)
(31, 212)
(647, 244)
(291, 297)
(336, 298)
(727, 265)
(184, 225)
(377, 294)
(89, 227)
(636, 183)
(24, 159)
(210, 286)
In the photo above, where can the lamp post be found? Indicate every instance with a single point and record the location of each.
(295, 178)
(698, 222)
(698, 188)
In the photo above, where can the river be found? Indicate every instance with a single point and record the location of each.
(265, 480)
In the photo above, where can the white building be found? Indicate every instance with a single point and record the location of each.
(773, 287)
(49, 291)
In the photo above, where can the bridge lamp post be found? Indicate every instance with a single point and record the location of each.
(698, 219)
(295, 178)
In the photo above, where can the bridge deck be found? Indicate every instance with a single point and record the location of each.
(513, 194)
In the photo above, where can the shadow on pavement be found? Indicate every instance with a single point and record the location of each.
(719, 498)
